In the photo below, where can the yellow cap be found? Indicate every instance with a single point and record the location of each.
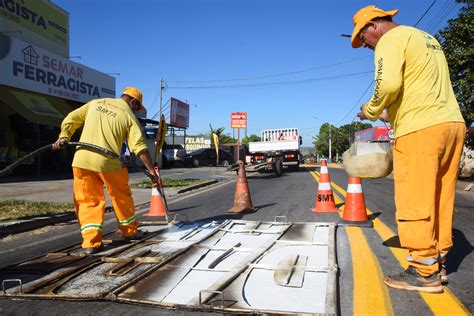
(136, 94)
(362, 17)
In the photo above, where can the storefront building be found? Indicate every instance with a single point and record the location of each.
(39, 84)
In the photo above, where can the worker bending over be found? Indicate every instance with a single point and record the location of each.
(412, 84)
(106, 123)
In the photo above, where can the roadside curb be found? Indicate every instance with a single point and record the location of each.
(21, 226)
(196, 186)
(9, 228)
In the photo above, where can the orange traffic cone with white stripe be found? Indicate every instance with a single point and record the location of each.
(325, 197)
(242, 200)
(157, 207)
(355, 213)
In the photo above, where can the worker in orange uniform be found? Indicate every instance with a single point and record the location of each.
(106, 123)
(413, 91)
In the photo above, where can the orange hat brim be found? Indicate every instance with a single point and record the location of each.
(355, 41)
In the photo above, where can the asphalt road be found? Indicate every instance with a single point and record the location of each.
(292, 196)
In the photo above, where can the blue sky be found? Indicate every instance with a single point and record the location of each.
(194, 44)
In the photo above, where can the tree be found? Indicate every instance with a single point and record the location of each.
(341, 138)
(348, 132)
(251, 138)
(223, 138)
(321, 141)
(457, 40)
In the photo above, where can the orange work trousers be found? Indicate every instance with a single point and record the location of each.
(89, 201)
(426, 164)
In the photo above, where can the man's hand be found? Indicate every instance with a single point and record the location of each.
(384, 116)
(361, 114)
(59, 144)
(153, 176)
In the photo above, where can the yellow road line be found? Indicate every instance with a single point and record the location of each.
(441, 304)
(371, 296)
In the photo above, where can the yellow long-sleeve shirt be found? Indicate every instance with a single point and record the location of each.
(106, 123)
(412, 82)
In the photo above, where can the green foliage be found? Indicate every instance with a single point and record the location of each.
(457, 40)
(341, 137)
(223, 138)
(251, 138)
(167, 183)
(14, 209)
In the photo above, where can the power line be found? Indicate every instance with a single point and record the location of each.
(426, 11)
(437, 15)
(274, 83)
(274, 75)
(440, 22)
(356, 103)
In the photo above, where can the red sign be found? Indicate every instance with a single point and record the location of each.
(374, 134)
(179, 113)
(238, 120)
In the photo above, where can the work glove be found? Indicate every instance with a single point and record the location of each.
(152, 176)
(59, 144)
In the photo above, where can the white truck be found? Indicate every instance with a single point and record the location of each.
(279, 148)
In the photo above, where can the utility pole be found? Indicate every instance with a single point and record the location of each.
(161, 96)
(158, 158)
(330, 143)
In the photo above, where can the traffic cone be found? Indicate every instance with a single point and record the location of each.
(325, 197)
(242, 200)
(157, 207)
(355, 213)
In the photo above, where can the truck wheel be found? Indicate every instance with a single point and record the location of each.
(278, 168)
(224, 163)
(195, 163)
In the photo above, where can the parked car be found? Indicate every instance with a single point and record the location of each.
(206, 157)
(172, 154)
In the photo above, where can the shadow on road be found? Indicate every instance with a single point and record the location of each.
(393, 242)
(183, 208)
(223, 217)
(258, 207)
(461, 249)
(374, 215)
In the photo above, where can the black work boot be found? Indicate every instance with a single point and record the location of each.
(91, 251)
(411, 280)
(138, 235)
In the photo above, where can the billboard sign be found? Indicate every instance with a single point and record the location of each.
(38, 22)
(238, 120)
(31, 68)
(179, 113)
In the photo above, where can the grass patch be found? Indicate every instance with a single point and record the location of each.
(16, 209)
(168, 183)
